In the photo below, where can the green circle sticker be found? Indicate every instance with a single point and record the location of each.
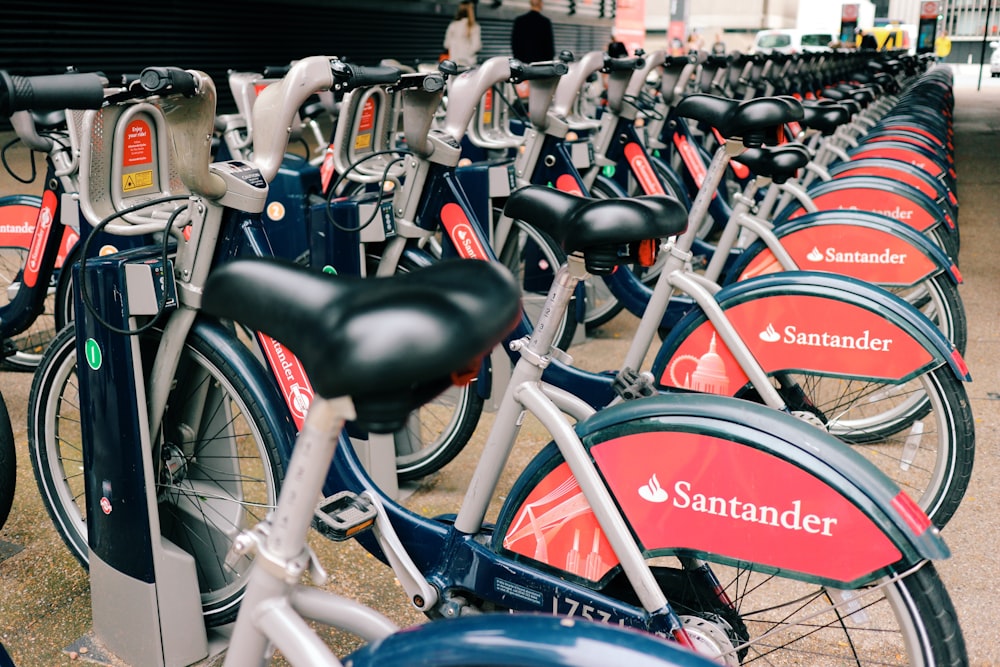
(329, 269)
(93, 351)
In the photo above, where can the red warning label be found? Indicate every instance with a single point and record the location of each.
(138, 146)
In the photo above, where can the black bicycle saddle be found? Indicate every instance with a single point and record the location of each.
(779, 163)
(390, 343)
(824, 117)
(749, 120)
(597, 228)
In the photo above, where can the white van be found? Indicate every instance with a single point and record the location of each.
(789, 40)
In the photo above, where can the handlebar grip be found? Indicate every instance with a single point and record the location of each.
(50, 92)
(160, 80)
(624, 63)
(275, 71)
(520, 71)
(429, 82)
(347, 76)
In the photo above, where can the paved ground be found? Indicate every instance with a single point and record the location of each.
(44, 593)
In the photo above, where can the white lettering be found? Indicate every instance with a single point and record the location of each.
(792, 336)
(897, 213)
(790, 518)
(23, 228)
(835, 256)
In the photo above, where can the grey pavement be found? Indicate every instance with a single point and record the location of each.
(45, 595)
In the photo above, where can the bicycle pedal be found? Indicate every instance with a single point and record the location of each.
(343, 515)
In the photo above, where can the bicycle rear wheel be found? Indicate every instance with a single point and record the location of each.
(223, 476)
(774, 620)
(919, 433)
(938, 298)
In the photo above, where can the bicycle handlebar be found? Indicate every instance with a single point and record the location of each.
(168, 81)
(275, 71)
(50, 92)
(520, 71)
(428, 82)
(347, 76)
(277, 104)
(622, 64)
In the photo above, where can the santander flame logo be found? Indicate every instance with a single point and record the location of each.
(653, 492)
(815, 255)
(769, 335)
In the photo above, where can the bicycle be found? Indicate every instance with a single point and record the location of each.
(245, 445)
(458, 313)
(621, 150)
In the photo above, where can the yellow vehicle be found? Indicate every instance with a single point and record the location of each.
(889, 37)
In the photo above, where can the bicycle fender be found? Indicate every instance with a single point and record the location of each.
(17, 219)
(530, 640)
(723, 480)
(258, 382)
(905, 152)
(807, 321)
(892, 199)
(865, 246)
(899, 171)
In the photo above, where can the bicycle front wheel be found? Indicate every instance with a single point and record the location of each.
(534, 258)
(437, 431)
(223, 472)
(25, 348)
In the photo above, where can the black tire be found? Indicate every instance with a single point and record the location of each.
(436, 432)
(947, 241)
(63, 306)
(8, 464)
(56, 457)
(937, 297)
(920, 434)
(773, 620)
(534, 258)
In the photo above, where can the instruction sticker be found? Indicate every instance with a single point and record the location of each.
(137, 180)
(366, 125)
(138, 147)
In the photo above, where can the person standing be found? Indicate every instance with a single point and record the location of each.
(531, 38)
(463, 38)
(942, 46)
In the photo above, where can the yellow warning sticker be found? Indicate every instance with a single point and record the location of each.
(363, 141)
(137, 180)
